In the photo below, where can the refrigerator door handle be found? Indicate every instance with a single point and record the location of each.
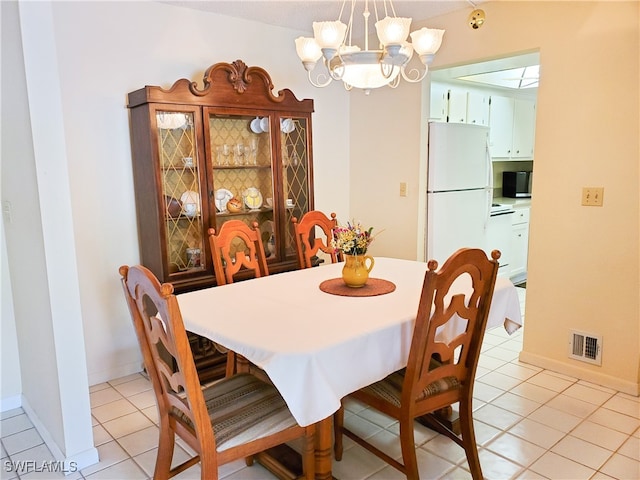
(489, 165)
(490, 183)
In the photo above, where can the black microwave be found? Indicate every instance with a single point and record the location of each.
(516, 184)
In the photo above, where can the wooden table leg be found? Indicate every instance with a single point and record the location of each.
(288, 460)
(324, 446)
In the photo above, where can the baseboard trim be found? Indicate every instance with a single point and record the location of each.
(111, 374)
(585, 374)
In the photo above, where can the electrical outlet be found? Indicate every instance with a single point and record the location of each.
(592, 196)
(403, 189)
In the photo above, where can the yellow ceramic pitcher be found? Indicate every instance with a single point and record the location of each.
(355, 272)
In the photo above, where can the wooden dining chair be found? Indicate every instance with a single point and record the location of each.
(236, 417)
(308, 244)
(234, 248)
(437, 374)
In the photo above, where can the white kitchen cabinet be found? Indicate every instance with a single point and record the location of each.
(453, 104)
(477, 108)
(524, 128)
(512, 122)
(438, 103)
(519, 244)
(457, 112)
(501, 126)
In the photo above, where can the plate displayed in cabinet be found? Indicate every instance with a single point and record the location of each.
(222, 197)
(252, 198)
(187, 198)
(170, 121)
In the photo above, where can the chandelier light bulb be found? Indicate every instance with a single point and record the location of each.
(309, 51)
(329, 34)
(393, 30)
(426, 41)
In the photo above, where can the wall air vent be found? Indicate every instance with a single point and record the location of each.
(585, 347)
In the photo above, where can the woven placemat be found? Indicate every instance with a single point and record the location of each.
(373, 287)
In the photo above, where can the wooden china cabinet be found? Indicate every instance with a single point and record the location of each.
(200, 151)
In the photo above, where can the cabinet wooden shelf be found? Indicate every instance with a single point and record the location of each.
(188, 142)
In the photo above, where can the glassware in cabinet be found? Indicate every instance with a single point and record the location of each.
(296, 174)
(241, 150)
(180, 185)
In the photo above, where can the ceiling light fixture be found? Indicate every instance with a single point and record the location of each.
(367, 69)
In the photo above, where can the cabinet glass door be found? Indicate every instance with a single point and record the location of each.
(181, 186)
(294, 141)
(241, 156)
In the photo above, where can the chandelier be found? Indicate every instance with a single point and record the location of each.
(367, 69)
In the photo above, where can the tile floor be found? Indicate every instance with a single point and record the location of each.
(530, 424)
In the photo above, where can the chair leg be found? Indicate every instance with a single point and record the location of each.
(166, 443)
(408, 445)
(231, 364)
(469, 440)
(338, 423)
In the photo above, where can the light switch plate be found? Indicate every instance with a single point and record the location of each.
(403, 189)
(592, 196)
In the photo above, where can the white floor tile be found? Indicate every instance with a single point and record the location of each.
(599, 435)
(112, 410)
(619, 466)
(516, 404)
(127, 424)
(20, 441)
(140, 441)
(500, 380)
(533, 392)
(516, 449)
(572, 406)
(623, 405)
(631, 448)
(104, 396)
(15, 424)
(554, 466)
(617, 421)
(133, 387)
(536, 433)
(555, 419)
(496, 417)
(588, 393)
(495, 467)
(110, 453)
(582, 452)
(551, 382)
(446, 448)
(125, 469)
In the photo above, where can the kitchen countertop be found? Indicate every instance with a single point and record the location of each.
(515, 202)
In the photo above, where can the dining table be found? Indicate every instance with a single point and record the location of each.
(319, 344)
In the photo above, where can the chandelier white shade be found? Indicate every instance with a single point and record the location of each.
(365, 68)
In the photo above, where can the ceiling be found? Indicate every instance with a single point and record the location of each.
(300, 15)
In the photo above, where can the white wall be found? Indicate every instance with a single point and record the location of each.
(583, 270)
(82, 58)
(11, 383)
(108, 49)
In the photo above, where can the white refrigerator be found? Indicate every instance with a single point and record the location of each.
(459, 188)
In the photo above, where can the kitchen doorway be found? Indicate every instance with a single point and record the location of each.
(502, 95)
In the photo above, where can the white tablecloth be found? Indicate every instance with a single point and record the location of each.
(317, 347)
